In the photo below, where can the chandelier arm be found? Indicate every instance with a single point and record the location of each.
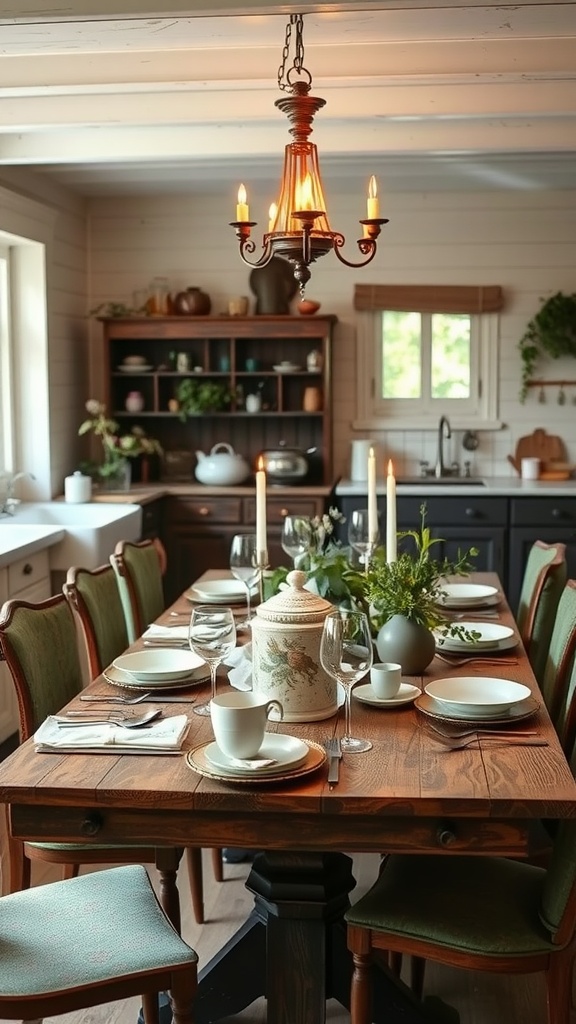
(247, 245)
(367, 246)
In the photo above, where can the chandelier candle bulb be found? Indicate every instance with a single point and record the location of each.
(390, 514)
(261, 541)
(272, 216)
(373, 203)
(372, 507)
(242, 208)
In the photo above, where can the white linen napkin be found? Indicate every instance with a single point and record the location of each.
(240, 660)
(166, 635)
(164, 736)
(252, 765)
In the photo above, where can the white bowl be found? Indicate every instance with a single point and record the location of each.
(158, 665)
(480, 696)
(134, 361)
(220, 591)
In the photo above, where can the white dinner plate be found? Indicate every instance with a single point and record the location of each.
(159, 665)
(477, 695)
(490, 635)
(451, 647)
(441, 712)
(116, 677)
(468, 595)
(284, 368)
(227, 591)
(405, 695)
(138, 368)
(284, 751)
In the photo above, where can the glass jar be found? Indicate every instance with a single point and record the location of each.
(159, 297)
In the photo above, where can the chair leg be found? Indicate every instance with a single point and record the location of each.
(18, 873)
(417, 969)
(194, 858)
(395, 962)
(559, 986)
(361, 990)
(217, 866)
(70, 871)
(150, 1010)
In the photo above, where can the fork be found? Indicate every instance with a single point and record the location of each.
(118, 698)
(486, 731)
(124, 723)
(457, 662)
(333, 748)
(461, 744)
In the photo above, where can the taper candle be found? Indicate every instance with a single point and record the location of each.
(272, 216)
(391, 553)
(261, 541)
(372, 507)
(242, 208)
(373, 203)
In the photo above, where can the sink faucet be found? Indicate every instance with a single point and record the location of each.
(444, 431)
(7, 500)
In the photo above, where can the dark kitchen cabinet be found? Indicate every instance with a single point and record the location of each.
(551, 520)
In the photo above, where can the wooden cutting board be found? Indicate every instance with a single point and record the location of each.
(539, 445)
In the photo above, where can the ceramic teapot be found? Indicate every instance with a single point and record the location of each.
(222, 467)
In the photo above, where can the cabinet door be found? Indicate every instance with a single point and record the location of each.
(276, 511)
(198, 536)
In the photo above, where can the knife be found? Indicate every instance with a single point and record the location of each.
(334, 751)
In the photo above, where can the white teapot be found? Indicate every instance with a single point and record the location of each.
(222, 467)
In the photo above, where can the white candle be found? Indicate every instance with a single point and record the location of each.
(373, 203)
(272, 216)
(372, 507)
(390, 514)
(261, 542)
(242, 209)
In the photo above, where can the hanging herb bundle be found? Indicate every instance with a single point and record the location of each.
(552, 332)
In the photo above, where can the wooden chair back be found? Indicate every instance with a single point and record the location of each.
(544, 579)
(95, 600)
(139, 567)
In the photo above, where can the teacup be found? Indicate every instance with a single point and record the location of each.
(239, 722)
(385, 679)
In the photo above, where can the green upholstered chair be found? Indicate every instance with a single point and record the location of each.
(38, 642)
(139, 567)
(481, 913)
(560, 656)
(95, 600)
(543, 581)
(86, 941)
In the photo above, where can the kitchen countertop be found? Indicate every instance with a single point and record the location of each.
(21, 541)
(145, 493)
(502, 486)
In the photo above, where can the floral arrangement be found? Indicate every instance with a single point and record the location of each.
(116, 447)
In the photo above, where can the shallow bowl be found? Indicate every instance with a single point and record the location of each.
(477, 695)
(157, 665)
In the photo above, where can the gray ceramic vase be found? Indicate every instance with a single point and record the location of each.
(409, 644)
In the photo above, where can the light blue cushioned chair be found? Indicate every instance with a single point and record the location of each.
(139, 567)
(542, 584)
(92, 940)
(482, 913)
(38, 642)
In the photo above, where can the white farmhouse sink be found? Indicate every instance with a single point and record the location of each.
(21, 541)
(91, 531)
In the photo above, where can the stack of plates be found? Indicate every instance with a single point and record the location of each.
(230, 591)
(157, 669)
(476, 699)
(492, 637)
(291, 757)
(135, 364)
(468, 595)
(286, 368)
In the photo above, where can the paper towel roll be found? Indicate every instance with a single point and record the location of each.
(77, 488)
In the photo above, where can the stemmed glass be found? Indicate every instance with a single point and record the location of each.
(346, 654)
(359, 537)
(296, 537)
(211, 635)
(244, 567)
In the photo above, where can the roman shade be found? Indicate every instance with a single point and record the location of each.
(429, 298)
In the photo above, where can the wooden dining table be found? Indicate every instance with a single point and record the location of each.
(408, 794)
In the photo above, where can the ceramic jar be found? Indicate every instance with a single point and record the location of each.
(192, 302)
(408, 643)
(134, 401)
(286, 635)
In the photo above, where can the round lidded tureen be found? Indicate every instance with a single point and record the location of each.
(286, 634)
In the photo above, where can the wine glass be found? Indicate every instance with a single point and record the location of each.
(346, 654)
(244, 567)
(211, 635)
(296, 537)
(359, 537)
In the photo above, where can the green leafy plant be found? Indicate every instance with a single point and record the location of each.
(114, 309)
(196, 395)
(551, 332)
(117, 447)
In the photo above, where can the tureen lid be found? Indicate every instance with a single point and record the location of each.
(294, 603)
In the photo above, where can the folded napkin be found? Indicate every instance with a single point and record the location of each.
(166, 635)
(240, 674)
(160, 737)
(252, 765)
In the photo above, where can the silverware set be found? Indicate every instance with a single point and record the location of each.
(73, 719)
(484, 659)
(459, 739)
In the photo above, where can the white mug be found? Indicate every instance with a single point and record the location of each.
(385, 678)
(530, 469)
(239, 721)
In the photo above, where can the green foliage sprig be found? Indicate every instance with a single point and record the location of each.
(551, 332)
(117, 447)
(196, 395)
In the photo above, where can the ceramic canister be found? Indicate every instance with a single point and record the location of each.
(286, 634)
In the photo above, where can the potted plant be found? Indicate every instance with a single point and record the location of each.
(195, 395)
(118, 448)
(551, 332)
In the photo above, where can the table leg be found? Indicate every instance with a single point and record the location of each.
(292, 948)
(167, 861)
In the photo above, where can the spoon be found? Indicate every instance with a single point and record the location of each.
(126, 723)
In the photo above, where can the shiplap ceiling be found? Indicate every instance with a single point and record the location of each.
(111, 97)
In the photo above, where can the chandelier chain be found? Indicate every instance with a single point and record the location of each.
(284, 82)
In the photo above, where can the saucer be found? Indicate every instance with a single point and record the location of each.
(406, 694)
(284, 751)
